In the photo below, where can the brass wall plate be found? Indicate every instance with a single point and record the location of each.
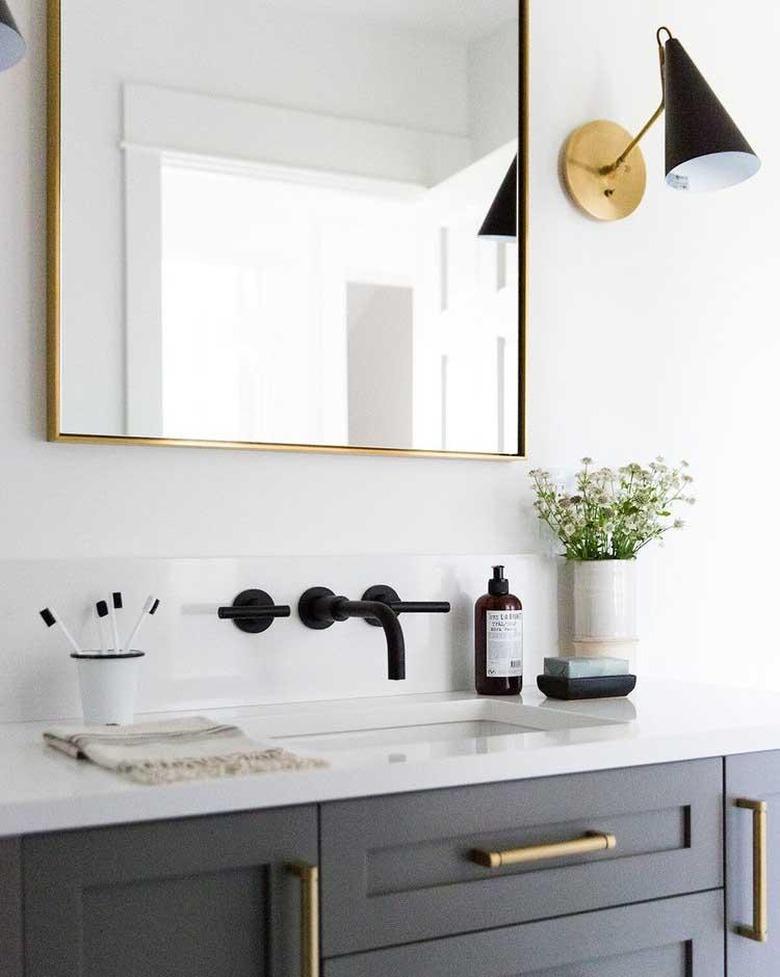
(588, 151)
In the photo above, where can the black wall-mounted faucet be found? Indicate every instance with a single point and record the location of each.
(319, 608)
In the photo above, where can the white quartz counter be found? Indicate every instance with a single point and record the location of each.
(467, 742)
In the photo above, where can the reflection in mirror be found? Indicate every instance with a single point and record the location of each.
(269, 223)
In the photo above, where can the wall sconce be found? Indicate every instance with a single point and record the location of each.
(603, 166)
(12, 46)
(501, 221)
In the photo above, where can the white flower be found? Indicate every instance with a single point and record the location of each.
(612, 514)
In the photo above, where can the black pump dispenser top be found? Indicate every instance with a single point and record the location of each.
(499, 584)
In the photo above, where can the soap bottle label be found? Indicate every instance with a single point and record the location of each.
(504, 644)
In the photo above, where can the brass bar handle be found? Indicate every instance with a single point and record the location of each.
(310, 917)
(591, 841)
(759, 931)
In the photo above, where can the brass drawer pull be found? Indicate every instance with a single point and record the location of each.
(759, 930)
(310, 917)
(591, 841)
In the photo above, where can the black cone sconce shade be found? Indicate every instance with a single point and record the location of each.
(704, 148)
(12, 46)
(603, 166)
(501, 221)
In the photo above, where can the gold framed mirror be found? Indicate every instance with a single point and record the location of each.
(266, 236)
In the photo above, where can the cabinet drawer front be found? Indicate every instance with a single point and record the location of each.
(680, 937)
(399, 869)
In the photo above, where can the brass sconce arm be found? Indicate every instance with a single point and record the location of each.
(612, 167)
(654, 117)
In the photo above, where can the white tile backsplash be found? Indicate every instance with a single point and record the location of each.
(196, 661)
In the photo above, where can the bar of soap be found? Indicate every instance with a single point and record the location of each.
(585, 667)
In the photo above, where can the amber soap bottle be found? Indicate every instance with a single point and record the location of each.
(498, 639)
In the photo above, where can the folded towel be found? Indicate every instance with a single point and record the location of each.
(179, 749)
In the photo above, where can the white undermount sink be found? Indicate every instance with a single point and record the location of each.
(467, 725)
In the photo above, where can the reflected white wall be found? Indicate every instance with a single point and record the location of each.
(345, 67)
(380, 357)
(494, 102)
(276, 290)
(255, 275)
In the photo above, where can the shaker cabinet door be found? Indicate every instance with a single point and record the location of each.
(681, 937)
(10, 908)
(201, 897)
(753, 864)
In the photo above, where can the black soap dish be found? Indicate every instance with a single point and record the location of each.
(593, 687)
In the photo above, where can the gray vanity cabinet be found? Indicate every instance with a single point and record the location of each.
(680, 937)
(11, 936)
(202, 897)
(603, 874)
(753, 864)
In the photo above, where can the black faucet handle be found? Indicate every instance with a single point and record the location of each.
(385, 594)
(253, 611)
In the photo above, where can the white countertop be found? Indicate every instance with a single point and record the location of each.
(43, 790)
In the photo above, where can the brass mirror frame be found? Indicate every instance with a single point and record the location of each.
(54, 273)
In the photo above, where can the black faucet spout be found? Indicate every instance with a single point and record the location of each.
(394, 635)
(320, 608)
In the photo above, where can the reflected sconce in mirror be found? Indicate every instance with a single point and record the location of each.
(603, 166)
(501, 221)
(12, 45)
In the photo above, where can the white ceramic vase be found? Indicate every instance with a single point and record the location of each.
(605, 608)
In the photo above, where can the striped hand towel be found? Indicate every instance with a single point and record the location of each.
(178, 749)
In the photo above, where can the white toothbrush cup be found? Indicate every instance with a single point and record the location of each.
(108, 686)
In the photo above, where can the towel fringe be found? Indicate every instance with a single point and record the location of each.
(161, 771)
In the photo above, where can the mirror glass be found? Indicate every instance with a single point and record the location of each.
(269, 223)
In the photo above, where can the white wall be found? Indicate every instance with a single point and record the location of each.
(195, 661)
(657, 334)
